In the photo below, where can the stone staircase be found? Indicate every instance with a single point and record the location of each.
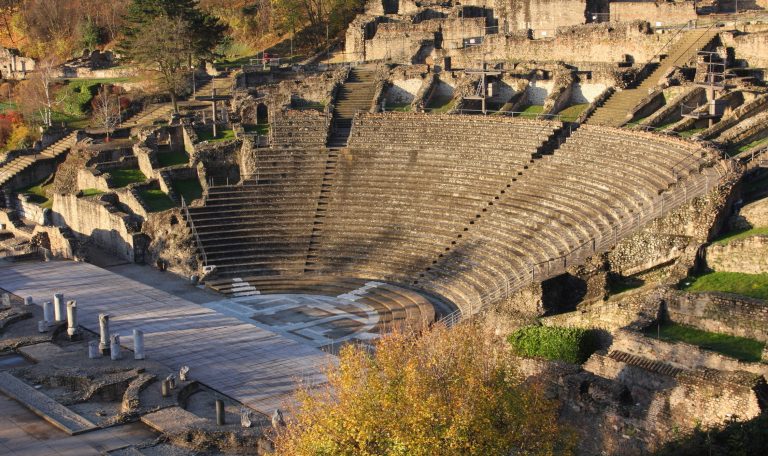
(322, 207)
(614, 110)
(19, 164)
(149, 115)
(658, 367)
(355, 95)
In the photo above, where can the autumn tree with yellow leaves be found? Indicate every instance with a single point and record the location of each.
(445, 392)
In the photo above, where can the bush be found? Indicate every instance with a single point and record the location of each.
(573, 345)
(444, 392)
(75, 97)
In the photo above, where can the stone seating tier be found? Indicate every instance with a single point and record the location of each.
(461, 207)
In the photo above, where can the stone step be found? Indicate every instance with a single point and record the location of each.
(42, 405)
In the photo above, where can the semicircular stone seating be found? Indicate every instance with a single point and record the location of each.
(462, 208)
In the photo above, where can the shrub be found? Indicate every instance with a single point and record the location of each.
(445, 392)
(75, 97)
(573, 345)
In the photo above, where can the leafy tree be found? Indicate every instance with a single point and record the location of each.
(205, 32)
(163, 46)
(446, 392)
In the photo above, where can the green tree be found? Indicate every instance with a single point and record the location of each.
(163, 47)
(206, 31)
(446, 392)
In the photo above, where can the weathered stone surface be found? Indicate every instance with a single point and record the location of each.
(748, 255)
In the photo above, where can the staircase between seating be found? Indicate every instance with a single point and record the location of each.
(547, 147)
(322, 207)
(614, 110)
(355, 95)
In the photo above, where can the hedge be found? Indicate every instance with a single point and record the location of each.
(573, 345)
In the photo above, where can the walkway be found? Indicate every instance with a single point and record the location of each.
(22, 433)
(250, 364)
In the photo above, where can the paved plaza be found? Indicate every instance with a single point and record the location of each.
(240, 357)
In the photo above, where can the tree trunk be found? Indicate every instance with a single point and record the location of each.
(174, 101)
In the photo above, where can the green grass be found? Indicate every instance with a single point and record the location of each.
(531, 111)
(222, 135)
(91, 192)
(635, 122)
(736, 235)
(571, 113)
(37, 194)
(740, 348)
(261, 129)
(756, 143)
(156, 200)
(7, 106)
(72, 121)
(123, 177)
(189, 189)
(691, 132)
(752, 285)
(172, 158)
(399, 107)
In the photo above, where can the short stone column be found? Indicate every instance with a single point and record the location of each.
(220, 414)
(42, 326)
(104, 334)
(28, 301)
(72, 331)
(48, 312)
(114, 349)
(6, 300)
(93, 350)
(59, 307)
(138, 344)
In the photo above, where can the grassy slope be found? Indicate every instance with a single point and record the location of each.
(752, 285)
(123, 177)
(740, 348)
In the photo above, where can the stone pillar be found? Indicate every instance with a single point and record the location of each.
(220, 418)
(138, 344)
(104, 333)
(6, 300)
(114, 347)
(59, 307)
(48, 312)
(165, 389)
(42, 326)
(28, 301)
(72, 331)
(93, 350)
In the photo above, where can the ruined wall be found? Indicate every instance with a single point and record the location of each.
(543, 15)
(92, 217)
(13, 65)
(666, 239)
(707, 398)
(720, 312)
(748, 255)
(657, 13)
(594, 43)
(171, 242)
(756, 213)
(750, 46)
(680, 354)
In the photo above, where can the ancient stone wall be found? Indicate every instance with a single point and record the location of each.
(756, 213)
(748, 46)
(101, 221)
(91, 178)
(13, 65)
(680, 354)
(658, 13)
(596, 43)
(543, 15)
(719, 312)
(748, 255)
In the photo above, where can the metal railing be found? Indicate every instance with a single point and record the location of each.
(192, 228)
(661, 205)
